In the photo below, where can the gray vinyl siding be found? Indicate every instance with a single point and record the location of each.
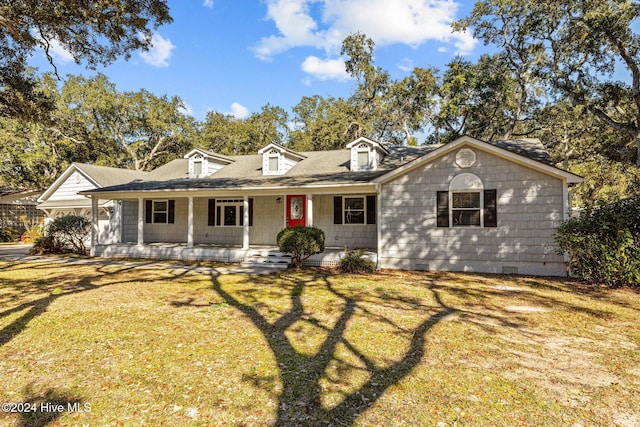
(268, 220)
(69, 189)
(341, 235)
(529, 208)
(129, 221)
(208, 234)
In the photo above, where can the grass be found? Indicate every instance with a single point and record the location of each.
(165, 347)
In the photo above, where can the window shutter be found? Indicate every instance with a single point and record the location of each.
(211, 212)
(337, 210)
(171, 215)
(443, 209)
(148, 211)
(490, 208)
(250, 212)
(371, 209)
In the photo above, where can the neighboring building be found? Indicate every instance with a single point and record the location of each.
(465, 206)
(18, 204)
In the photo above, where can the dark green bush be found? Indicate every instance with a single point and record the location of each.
(9, 234)
(47, 245)
(301, 243)
(355, 262)
(65, 234)
(603, 243)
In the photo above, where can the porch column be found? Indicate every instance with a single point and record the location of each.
(245, 222)
(309, 210)
(379, 224)
(190, 224)
(140, 221)
(95, 230)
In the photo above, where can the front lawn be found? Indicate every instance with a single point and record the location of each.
(91, 345)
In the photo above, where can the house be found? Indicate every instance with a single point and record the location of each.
(469, 205)
(17, 204)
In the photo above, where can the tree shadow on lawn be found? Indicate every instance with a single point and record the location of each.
(301, 374)
(58, 284)
(41, 409)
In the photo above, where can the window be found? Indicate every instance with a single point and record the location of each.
(273, 164)
(363, 159)
(467, 209)
(197, 167)
(228, 212)
(160, 211)
(354, 209)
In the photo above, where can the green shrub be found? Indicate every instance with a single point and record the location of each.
(9, 234)
(67, 234)
(355, 262)
(603, 243)
(301, 243)
(47, 245)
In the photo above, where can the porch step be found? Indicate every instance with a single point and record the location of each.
(267, 258)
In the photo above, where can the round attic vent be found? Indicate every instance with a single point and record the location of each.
(465, 158)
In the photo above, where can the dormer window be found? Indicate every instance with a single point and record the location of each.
(197, 167)
(363, 157)
(366, 154)
(203, 163)
(274, 162)
(278, 160)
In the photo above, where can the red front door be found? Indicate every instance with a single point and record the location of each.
(296, 211)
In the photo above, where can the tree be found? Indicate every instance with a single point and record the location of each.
(127, 129)
(226, 134)
(322, 124)
(372, 86)
(578, 46)
(94, 33)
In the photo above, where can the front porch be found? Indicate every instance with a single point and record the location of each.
(268, 255)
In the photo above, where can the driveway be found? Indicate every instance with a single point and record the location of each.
(20, 252)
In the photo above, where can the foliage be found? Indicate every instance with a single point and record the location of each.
(355, 262)
(226, 134)
(96, 34)
(68, 233)
(603, 243)
(48, 244)
(301, 242)
(576, 46)
(33, 229)
(9, 234)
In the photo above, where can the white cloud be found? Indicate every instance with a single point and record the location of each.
(208, 3)
(410, 22)
(159, 53)
(59, 52)
(238, 111)
(186, 109)
(325, 69)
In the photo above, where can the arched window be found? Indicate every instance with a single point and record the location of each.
(466, 204)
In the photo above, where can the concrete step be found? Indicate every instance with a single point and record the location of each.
(267, 257)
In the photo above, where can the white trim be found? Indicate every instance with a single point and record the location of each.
(262, 191)
(207, 154)
(140, 221)
(483, 146)
(65, 175)
(282, 150)
(367, 141)
(245, 222)
(190, 223)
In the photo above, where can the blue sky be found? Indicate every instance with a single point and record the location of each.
(236, 56)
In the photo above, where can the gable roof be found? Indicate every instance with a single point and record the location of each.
(100, 176)
(330, 168)
(530, 153)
